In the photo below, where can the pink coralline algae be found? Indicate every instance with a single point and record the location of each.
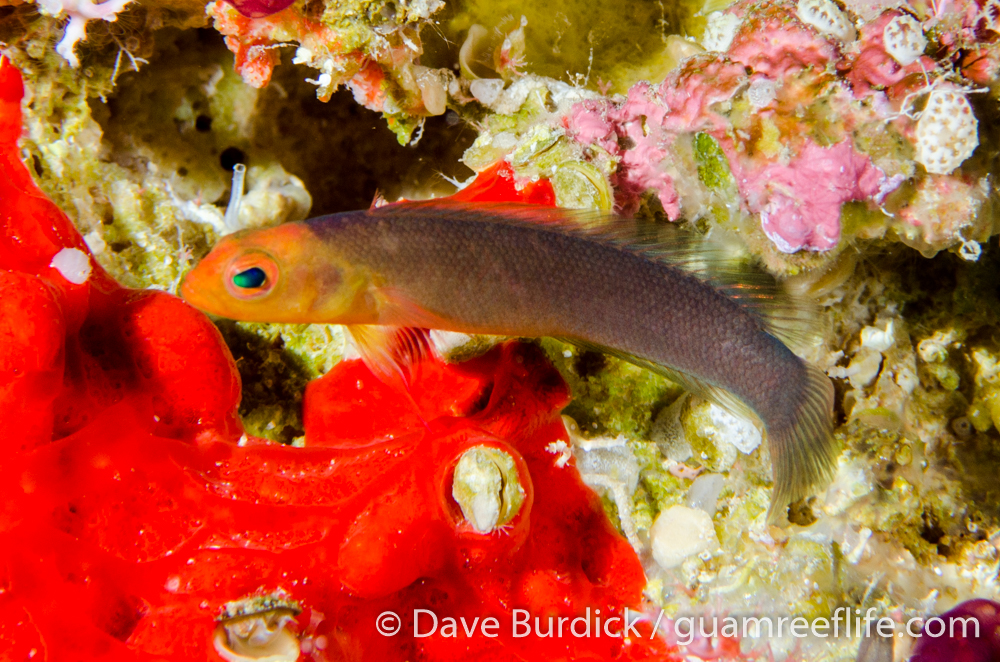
(642, 129)
(952, 638)
(799, 203)
(798, 199)
(794, 112)
(872, 67)
(773, 41)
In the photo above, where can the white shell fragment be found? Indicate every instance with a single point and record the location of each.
(680, 532)
(720, 32)
(737, 431)
(947, 132)
(878, 339)
(762, 92)
(827, 18)
(970, 251)
(73, 264)
(904, 39)
(486, 90)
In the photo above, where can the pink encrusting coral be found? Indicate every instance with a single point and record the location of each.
(642, 129)
(799, 202)
(800, 107)
(798, 198)
(872, 66)
(773, 41)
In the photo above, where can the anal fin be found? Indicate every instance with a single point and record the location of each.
(690, 383)
(803, 451)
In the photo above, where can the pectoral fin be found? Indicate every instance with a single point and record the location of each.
(392, 352)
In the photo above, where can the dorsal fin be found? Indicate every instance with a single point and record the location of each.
(789, 319)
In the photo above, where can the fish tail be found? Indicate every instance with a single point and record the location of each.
(803, 451)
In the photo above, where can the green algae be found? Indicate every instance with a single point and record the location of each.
(611, 397)
(713, 166)
(275, 362)
(595, 42)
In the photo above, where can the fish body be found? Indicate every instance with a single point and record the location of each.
(528, 271)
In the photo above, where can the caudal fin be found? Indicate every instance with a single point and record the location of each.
(803, 452)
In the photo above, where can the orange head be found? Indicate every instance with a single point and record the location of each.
(280, 274)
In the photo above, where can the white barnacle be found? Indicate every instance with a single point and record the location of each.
(827, 18)
(256, 628)
(487, 487)
(947, 132)
(904, 39)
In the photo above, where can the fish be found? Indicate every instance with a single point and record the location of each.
(592, 279)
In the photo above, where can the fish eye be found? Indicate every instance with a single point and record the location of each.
(249, 279)
(252, 275)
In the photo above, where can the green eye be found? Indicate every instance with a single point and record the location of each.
(250, 279)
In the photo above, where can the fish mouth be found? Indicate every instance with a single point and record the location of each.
(194, 290)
